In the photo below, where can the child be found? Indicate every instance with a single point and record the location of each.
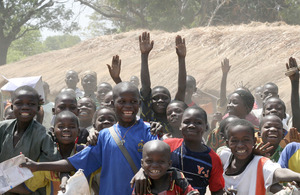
(104, 118)
(155, 101)
(116, 171)
(174, 113)
(89, 84)
(24, 134)
(71, 80)
(200, 164)
(272, 132)
(47, 107)
(246, 173)
(163, 179)
(102, 89)
(66, 131)
(87, 108)
(289, 157)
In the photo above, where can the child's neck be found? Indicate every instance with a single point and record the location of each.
(65, 150)
(161, 184)
(127, 124)
(195, 146)
(176, 133)
(237, 166)
(274, 149)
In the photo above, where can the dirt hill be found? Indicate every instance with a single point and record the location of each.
(257, 52)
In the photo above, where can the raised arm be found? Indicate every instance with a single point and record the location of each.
(59, 166)
(181, 53)
(115, 69)
(225, 69)
(145, 46)
(295, 92)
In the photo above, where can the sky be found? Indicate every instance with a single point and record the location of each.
(81, 13)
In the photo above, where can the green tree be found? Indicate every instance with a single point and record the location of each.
(61, 41)
(18, 17)
(28, 45)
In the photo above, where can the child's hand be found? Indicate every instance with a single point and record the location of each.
(292, 69)
(92, 138)
(225, 66)
(115, 67)
(139, 182)
(217, 117)
(30, 164)
(263, 149)
(231, 191)
(180, 46)
(145, 44)
(156, 128)
(292, 136)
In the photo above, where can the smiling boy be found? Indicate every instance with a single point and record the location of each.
(116, 172)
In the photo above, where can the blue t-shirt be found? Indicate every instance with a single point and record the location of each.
(290, 157)
(116, 172)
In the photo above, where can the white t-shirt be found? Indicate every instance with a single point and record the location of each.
(245, 183)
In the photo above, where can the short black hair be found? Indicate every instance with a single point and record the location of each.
(247, 98)
(276, 98)
(262, 120)
(202, 112)
(184, 105)
(164, 88)
(66, 113)
(273, 85)
(241, 122)
(106, 84)
(92, 101)
(224, 123)
(192, 79)
(67, 94)
(124, 86)
(27, 89)
(96, 114)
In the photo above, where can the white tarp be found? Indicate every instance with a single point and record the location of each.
(34, 82)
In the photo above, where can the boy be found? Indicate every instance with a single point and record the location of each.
(155, 102)
(163, 179)
(102, 89)
(71, 80)
(87, 108)
(103, 118)
(246, 173)
(116, 171)
(200, 164)
(24, 134)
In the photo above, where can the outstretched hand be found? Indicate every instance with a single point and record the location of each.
(145, 44)
(263, 149)
(225, 66)
(156, 128)
(292, 69)
(30, 164)
(180, 46)
(115, 67)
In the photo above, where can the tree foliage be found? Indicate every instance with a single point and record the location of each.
(18, 17)
(173, 15)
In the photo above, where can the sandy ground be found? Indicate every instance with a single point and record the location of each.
(257, 52)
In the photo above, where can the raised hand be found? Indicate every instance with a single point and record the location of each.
(292, 69)
(263, 149)
(115, 68)
(225, 66)
(180, 46)
(145, 44)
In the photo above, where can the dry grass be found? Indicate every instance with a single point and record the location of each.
(257, 52)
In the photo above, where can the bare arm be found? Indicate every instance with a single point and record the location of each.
(115, 69)
(145, 47)
(285, 175)
(225, 69)
(181, 53)
(58, 166)
(295, 93)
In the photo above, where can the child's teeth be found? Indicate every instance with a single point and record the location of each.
(155, 171)
(24, 114)
(241, 151)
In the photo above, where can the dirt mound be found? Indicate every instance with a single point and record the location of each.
(257, 52)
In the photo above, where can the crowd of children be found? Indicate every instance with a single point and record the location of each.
(131, 141)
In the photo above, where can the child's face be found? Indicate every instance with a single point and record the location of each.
(156, 164)
(25, 106)
(269, 91)
(102, 91)
(126, 107)
(86, 109)
(71, 79)
(190, 89)
(108, 100)
(66, 103)
(174, 114)
(105, 119)
(275, 107)
(240, 141)
(236, 106)
(272, 130)
(193, 125)
(160, 100)
(89, 83)
(66, 130)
